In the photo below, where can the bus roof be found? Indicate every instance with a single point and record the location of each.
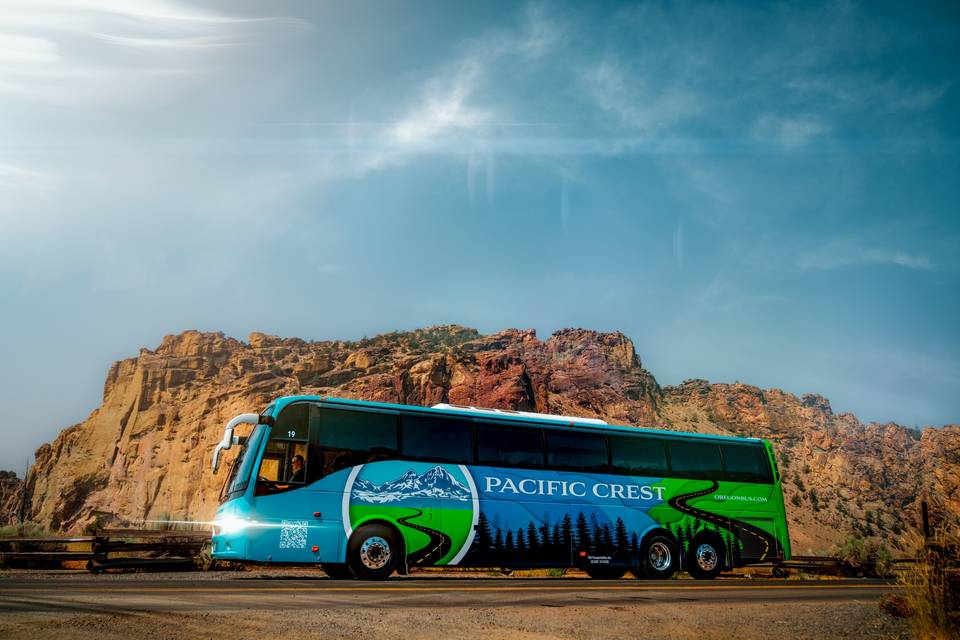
(520, 417)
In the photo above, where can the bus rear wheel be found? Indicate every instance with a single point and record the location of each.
(337, 571)
(705, 558)
(373, 552)
(605, 573)
(659, 558)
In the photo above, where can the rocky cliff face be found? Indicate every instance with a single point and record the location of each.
(11, 494)
(145, 453)
(840, 475)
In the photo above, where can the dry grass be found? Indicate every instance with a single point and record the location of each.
(23, 530)
(933, 585)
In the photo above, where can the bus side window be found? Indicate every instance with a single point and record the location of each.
(501, 446)
(638, 456)
(576, 451)
(746, 463)
(288, 440)
(438, 439)
(343, 439)
(695, 459)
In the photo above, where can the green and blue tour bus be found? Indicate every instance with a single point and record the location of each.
(367, 488)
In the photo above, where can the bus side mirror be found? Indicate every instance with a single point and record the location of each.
(229, 439)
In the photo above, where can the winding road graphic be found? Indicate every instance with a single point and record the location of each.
(436, 548)
(757, 543)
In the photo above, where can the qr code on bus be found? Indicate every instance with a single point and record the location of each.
(293, 534)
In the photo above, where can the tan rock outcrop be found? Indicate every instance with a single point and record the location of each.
(144, 454)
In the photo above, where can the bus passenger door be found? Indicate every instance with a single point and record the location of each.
(293, 522)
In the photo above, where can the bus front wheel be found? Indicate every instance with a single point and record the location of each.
(373, 552)
(705, 557)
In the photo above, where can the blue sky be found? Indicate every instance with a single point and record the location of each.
(763, 194)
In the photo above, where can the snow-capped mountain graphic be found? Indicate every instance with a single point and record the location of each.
(435, 483)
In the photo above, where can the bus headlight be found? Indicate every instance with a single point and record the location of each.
(230, 524)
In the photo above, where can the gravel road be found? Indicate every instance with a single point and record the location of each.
(237, 606)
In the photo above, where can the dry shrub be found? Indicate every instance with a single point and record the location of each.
(869, 558)
(896, 605)
(933, 584)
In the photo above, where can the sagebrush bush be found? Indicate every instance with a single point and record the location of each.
(864, 557)
(932, 584)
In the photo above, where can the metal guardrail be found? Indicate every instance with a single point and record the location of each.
(153, 533)
(175, 550)
(826, 565)
(108, 549)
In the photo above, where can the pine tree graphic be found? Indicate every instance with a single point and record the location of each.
(597, 533)
(583, 532)
(680, 534)
(566, 526)
(545, 533)
(533, 542)
(606, 536)
(621, 543)
(539, 542)
(483, 540)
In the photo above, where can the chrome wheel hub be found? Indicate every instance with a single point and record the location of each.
(659, 556)
(374, 553)
(707, 557)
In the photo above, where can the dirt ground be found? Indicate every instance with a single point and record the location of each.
(679, 621)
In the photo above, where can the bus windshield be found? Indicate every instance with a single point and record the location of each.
(240, 476)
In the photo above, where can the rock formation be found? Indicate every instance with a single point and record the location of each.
(145, 453)
(11, 495)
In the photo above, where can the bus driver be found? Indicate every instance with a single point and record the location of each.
(296, 469)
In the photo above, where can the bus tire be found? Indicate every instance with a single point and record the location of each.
(705, 557)
(659, 557)
(373, 552)
(337, 571)
(605, 573)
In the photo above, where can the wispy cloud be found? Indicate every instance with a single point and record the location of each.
(16, 181)
(724, 294)
(453, 101)
(853, 92)
(100, 52)
(445, 108)
(173, 44)
(27, 50)
(851, 253)
(634, 102)
(455, 111)
(791, 132)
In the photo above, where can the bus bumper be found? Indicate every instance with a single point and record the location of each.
(230, 548)
(231, 534)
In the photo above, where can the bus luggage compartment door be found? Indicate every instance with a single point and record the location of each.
(295, 527)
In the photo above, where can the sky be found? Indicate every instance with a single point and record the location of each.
(764, 194)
